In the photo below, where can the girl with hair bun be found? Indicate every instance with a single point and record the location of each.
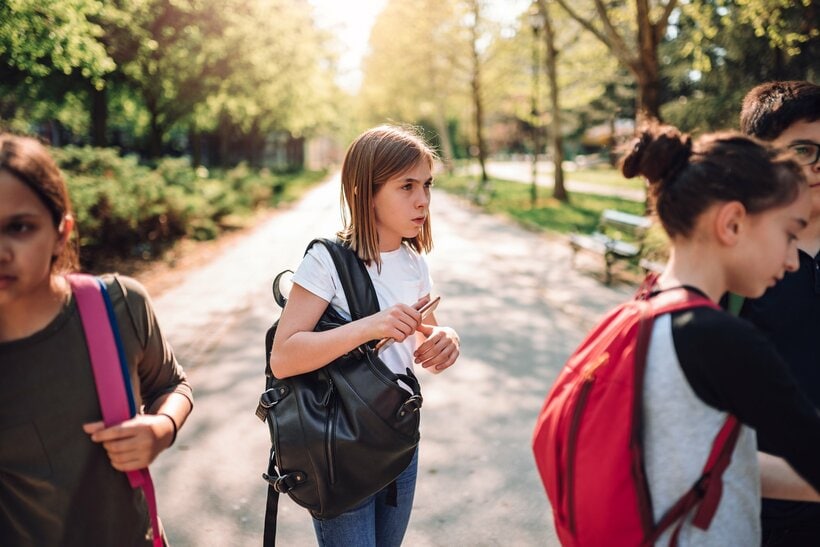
(733, 208)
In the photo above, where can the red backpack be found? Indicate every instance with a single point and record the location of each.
(588, 437)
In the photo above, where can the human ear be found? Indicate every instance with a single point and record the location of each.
(64, 234)
(728, 222)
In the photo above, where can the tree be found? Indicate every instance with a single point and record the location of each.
(171, 55)
(719, 51)
(49, 49)
(42, 37)
(559, 191)
(417, 72)
(641, 56)
(279, 79)
(474, 25)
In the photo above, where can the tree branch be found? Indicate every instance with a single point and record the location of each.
(617, 44)
(610, 39)
(584, 23)
(659, 27)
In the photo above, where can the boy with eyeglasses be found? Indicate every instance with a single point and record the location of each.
(788, 115)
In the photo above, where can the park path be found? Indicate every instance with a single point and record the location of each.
(519, 310)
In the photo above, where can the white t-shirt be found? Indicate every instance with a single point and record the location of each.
(404, 278)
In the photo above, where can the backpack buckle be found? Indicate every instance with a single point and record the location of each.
(413, 404)
(285, 483)
(269, 399)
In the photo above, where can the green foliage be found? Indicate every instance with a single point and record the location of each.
(720, 50)
(125, 209)
(39, 37)
(513, 199)
(167, 68)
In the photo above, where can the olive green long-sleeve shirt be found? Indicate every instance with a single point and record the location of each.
(57, 487)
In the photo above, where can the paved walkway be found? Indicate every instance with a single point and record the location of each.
(519, 311)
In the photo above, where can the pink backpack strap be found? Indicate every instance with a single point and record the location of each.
(112, 390)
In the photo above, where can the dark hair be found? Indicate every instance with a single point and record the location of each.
(685, 178)
(770, 108)
(29, 161)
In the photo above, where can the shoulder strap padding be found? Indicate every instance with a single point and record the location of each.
(356, 282)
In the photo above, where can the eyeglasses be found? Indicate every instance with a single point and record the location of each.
(806, 153)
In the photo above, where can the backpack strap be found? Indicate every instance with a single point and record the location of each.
(356, 283)
(113, 385)
(707, 491)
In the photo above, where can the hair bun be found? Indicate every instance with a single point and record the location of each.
(657, 153)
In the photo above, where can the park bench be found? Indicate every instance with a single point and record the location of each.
(619, 237)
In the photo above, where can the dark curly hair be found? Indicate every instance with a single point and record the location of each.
(770, 108)
(686, 177)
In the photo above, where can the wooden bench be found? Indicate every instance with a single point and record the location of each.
(619, 236)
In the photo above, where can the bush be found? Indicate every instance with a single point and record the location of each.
(126, 210)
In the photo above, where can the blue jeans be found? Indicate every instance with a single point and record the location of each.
(373, 523)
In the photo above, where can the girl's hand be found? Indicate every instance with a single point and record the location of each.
(440, 350)
(396, 322)
(134, 443)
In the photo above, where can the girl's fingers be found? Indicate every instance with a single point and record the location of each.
(93, 427)
(423, 353)
(451, 359)
(443, 360)
(426, 330)
(130, 464)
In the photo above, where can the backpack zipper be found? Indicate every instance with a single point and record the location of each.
(588, 375)
(330, 431)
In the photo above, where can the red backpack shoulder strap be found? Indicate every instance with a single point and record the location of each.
(678, 299)
(706, 493)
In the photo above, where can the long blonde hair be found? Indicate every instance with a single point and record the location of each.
(376, 156)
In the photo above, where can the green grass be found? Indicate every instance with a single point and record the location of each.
(604, 175)
(513, 199)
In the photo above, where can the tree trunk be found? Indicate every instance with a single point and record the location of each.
(559, 191)
(444, 139)
(647, 72)
(155, 137)
(649, 97)
(195, 144)
(99, 116)
(642, 61)
(440, 121)
(256, 146)
(155, 130)
(479, 130)
(476, 95)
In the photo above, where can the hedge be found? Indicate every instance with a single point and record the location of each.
(125, 209)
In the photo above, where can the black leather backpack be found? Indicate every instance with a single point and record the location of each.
(345, 431)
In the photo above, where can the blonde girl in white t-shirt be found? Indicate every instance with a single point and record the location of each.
(386, 181)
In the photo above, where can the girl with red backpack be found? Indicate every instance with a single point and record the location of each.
(638, 442)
